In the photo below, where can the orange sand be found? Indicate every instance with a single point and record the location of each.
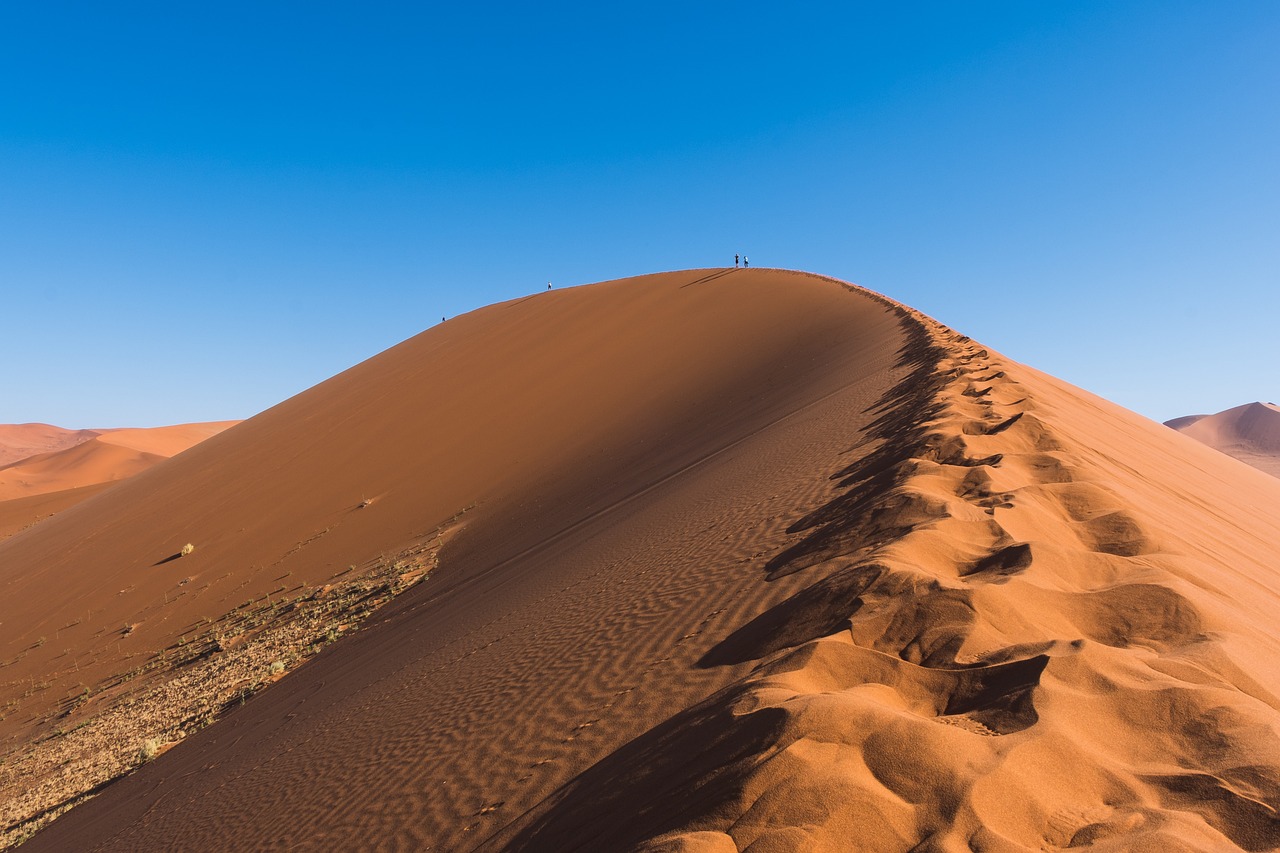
(746, 560)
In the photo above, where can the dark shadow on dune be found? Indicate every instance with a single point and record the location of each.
(709, 277)
(859, 519)
(168, 559)
(693, 763)
(1001, 564)
(818, 611)
(690, 765)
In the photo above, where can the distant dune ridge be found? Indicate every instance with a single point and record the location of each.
(711, 560)
(48, 468)
(1250, 433)
(19, 441)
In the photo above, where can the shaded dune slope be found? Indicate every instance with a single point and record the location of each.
(886, 590)
(612, 464)
(1044, 630)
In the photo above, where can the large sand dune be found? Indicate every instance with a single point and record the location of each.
(719, 560)
(1250, 433)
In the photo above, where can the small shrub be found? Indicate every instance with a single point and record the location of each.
(150, 748)
(277, 667)
(187, 549)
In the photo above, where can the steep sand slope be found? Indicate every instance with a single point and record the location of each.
(990, 612)
(18, 441)
(620, 458)
(1250, 433)
(17, 514)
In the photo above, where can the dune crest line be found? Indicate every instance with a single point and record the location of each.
(1009, 656)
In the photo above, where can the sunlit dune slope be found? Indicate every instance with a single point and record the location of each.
(1250, 433)
(736, 561)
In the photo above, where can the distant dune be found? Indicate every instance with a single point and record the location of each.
(1250, 433)
(77, 464)
(711, 560)
(18, 441)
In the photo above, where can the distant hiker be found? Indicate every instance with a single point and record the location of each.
(735, 260)
(548, 285)
(745, 263)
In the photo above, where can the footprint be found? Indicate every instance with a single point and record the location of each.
(1000, 565)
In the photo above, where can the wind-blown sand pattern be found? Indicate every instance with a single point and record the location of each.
(775, 564)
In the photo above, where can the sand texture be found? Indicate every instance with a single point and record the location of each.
(701, 561)
(1250, 433)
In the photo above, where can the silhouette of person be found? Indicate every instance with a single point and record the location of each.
(548, 285)
(745, 263)
(735, 260)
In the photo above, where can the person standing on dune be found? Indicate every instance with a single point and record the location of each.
(745, 263)
(735, 260)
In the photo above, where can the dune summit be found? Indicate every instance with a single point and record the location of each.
(1250, 433)
(700, 561)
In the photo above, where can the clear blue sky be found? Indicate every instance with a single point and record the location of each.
(206, 210)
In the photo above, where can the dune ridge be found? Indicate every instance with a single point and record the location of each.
(1011, 655)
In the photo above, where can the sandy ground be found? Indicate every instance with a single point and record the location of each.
(1250, 433)
(736, 560)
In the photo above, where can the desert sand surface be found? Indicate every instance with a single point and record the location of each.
(17, 514)
(1250, 433)
(703, 561)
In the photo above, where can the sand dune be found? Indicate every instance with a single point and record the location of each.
(717, 560)
(1250, 433)
(19, 441)
(91, 457)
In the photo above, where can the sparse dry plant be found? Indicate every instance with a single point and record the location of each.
(149, 749)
